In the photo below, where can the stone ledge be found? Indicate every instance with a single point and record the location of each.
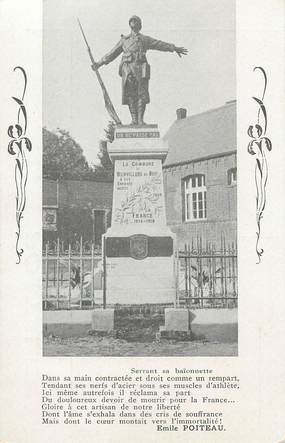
(214, 316)
(145, 126)
(66, 316)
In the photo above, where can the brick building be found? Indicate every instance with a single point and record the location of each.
(200, 175)
(199, 181)
(73, 208)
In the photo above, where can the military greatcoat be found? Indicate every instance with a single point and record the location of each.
(134, 68)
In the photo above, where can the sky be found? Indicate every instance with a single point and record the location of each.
(202, 80)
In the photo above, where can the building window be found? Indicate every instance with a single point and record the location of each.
(232, 176)
(195, 197)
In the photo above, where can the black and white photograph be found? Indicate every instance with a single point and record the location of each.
(139, 179)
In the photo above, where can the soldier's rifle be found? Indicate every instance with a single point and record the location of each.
(108, 104)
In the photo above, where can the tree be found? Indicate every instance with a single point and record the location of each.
(106, 167)
(110, 131)
(63, 157)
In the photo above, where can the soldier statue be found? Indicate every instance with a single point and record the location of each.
(134, 68)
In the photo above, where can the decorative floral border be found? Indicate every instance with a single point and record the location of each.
(258, 146)
(18, 146)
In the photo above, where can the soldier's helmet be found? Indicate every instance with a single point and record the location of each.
(137, 19)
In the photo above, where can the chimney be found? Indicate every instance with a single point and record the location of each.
(181, 113)
(230, 102)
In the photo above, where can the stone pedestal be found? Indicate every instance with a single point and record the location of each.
(103, 320)
(139, 247)
(177, 324)
(177, 319)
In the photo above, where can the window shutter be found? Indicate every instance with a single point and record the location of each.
(229, 176)
(183, 199)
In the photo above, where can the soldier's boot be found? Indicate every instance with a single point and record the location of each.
(134, 112)
(141, 111)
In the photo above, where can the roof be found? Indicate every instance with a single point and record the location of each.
(202, 135)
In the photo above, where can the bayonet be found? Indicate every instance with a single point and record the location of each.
(108, 104)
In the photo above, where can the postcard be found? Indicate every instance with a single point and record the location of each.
(142, 221)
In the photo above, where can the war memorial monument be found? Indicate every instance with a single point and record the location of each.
(139, 248)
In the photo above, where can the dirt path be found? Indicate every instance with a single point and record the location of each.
(92, 346)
